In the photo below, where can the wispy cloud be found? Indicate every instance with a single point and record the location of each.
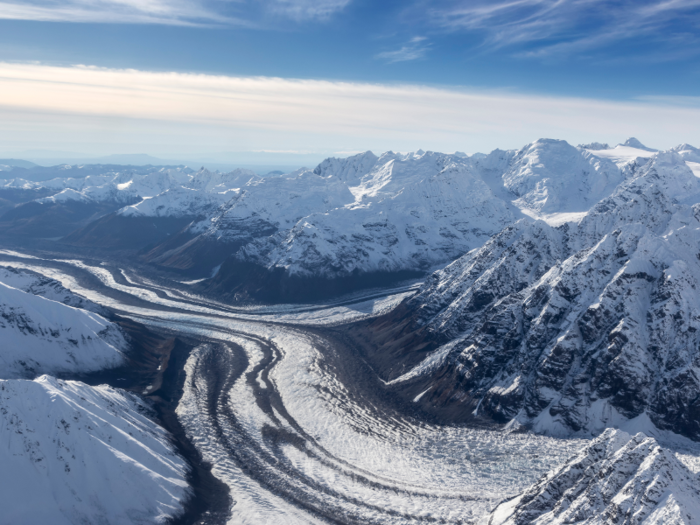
(416, 48)
(307, 9)
(170, 12)
(558, 27)
(58, 107)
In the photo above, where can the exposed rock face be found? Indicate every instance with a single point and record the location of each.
(617, 478)
(580, 326)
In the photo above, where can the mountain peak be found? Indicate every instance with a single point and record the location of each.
(636, 144)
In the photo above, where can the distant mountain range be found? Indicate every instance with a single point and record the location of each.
(260, 162)
(349, 223)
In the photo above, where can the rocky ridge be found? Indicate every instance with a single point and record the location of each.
(617, 478)
(576, 327)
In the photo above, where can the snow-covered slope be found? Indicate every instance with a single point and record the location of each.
(417, 210)
(66, 195)
(43, 336)
(72, 454)
(623, 153)
(410, 212)
(272, 203)
(617, 478)
(178, 202)
(363, 215)
(551, 176)
(37, 284)
(580, 326)
(198, 195)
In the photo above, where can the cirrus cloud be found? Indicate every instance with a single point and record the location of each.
(169, 12)
(558, 27)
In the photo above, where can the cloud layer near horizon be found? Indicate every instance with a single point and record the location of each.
(110, 111)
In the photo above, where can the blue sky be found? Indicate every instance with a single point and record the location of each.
(639, 55)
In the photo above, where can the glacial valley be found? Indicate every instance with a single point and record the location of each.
(419, 337)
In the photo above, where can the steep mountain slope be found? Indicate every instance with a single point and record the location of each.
(78, 454)
(167, 202)
(13, 192)
(413, 211)
(551, 176)
(73, 203)
(37, 284)
(409, 212)
(576, 327)
(617, 478)
(43, 336)
(55, 216)
(259, 208)
(349, 223)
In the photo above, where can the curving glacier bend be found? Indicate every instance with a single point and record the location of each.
(267, 404)
(262, 406)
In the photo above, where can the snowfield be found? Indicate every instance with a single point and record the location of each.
(44, 336)
(73, 454)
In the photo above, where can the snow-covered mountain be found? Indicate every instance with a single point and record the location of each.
(576, 327)
(40, 335)
(195, 196)
(37, 284)
(617, 478)
(551, 177)
(622, 154)
(405, 213)
(363, 220)
(414, 211)
(410, 212)
(72, 453)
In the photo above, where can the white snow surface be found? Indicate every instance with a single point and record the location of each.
(410, 211)
(73, 454)
(274, 203)
(551, 176)
(66, 195)
(40, 335)
(616, 478)
(37, 284)
(195, 195)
